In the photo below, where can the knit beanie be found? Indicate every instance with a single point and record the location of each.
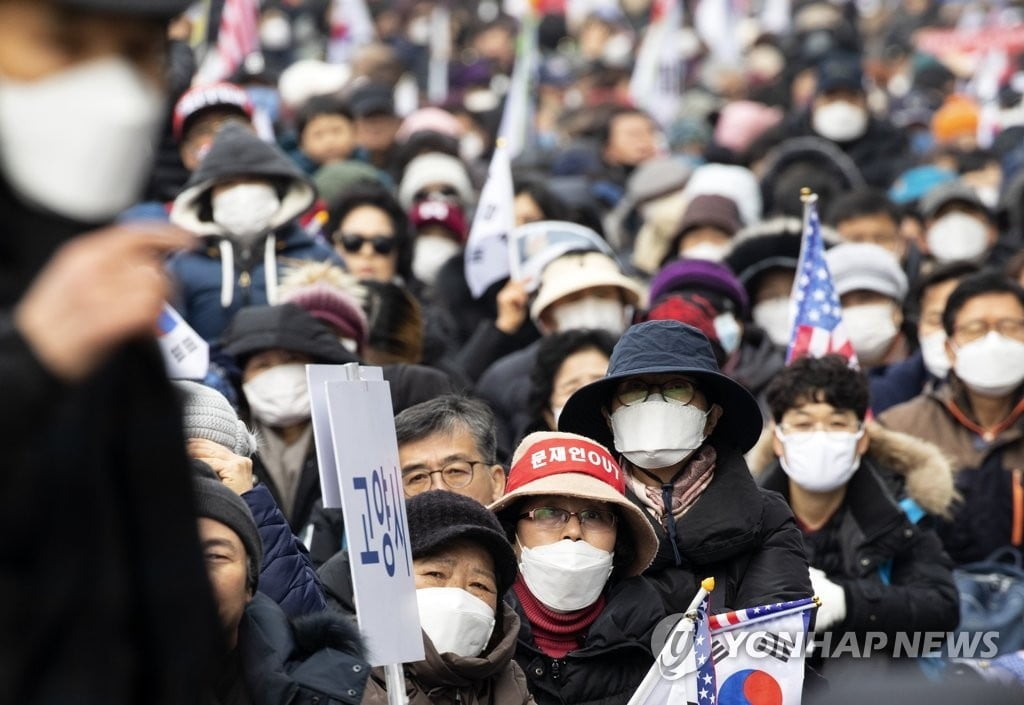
(438, 519)
(207, 414)
(214, 500)
(432, 168)
(334, 179)
(711, 210)
(335, 307)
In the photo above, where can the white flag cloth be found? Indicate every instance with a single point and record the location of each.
(517, 115)
(237, 38)
(657, 81)
(351, 28)
(186, 355)
(487, 250)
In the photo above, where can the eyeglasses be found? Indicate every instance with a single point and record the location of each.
(555, 518)
(636, 391)
(1010, 327)
(382, 244)
(454, 475)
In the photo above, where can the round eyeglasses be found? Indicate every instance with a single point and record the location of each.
(455, 476)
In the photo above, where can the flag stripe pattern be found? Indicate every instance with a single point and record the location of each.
(731, 619)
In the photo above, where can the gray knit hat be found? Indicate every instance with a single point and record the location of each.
(214, 500)
(208, 414)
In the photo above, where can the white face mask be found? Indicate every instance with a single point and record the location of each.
(933, 350)
(708, 251)
(957, 236)
(95, 166)
(567, 575)
(471, 146)
(820, 461)
(729, 333)
(279, 396)
(840, 121)
(246, 210)
(591, 313)
(992, 366)
(431, 252)
(773, 317)
(456, 621)
(276, 33)
(871, 330)
(657, 434)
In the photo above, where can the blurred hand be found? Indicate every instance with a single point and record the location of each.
(833, 601)
(511, 307)
(235, 471)
(96, 292)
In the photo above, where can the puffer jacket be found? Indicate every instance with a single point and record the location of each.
(222, 275)
(615, 656)
(494, 678)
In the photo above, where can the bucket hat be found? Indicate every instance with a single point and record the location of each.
(665, 347)
(576, 271)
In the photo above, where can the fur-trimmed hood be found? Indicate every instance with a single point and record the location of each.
(926, 472)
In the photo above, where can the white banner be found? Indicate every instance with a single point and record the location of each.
(487, 249)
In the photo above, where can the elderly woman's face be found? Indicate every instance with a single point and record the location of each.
(598, 528)
(464, 565)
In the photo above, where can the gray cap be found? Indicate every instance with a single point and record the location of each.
(948, 193)
(862, 266)
(208, 414)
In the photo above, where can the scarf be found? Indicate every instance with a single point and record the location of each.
(686, 487)
(555, 633)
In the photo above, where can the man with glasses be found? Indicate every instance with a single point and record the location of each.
(976, 417)
(873, 565)
(680, 427)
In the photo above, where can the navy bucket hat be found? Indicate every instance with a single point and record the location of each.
(659, 347)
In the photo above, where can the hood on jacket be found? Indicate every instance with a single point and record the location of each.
(288, 327)
(237, 152)
(818, 151)
(926, 471)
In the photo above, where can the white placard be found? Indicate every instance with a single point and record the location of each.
(372, 499)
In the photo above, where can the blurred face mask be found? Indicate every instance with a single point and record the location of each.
(957, 236)
(567, 575)
(729, 333)
(276, 33)
(992, 366)
(279, 396)
(820, 461)
(456, 621)
(933, 350)
(840, 121)
(430, 254)
(773, 317)
(871, 329)
(591, 313)
(656, 434)
(95, 168)
(708, 251)
(246, 210)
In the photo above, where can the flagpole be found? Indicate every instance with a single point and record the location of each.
(706, 586)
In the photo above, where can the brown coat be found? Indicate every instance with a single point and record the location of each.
(492, 679)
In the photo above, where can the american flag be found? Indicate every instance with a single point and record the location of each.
(707, 687)
(729, 619)
(237, 39)
(818, 325)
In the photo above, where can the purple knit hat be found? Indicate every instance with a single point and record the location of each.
(334, 307)
(699, 274)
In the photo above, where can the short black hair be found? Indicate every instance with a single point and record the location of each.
(368, 193)
(988, 281)
(943, 273)
(551, 353)
(828, 380)
(859, 203)
(553, 207)
(320, 105)
(446, 414)
(604, 128)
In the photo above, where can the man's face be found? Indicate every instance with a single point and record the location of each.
(455, 453)
(632, 139)
(933, 303)
(328, 138)
(198, 137)
(876, 229)
(983, 314)
(227, 568)
(376, 133)
(810, 416)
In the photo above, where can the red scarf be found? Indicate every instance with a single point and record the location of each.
(555, 633)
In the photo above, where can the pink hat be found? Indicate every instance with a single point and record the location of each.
(430, 119)
(335, 307)
(551, 463)
(743, 121)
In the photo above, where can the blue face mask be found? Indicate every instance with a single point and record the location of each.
(728, 331)
(266, 100)
(921, 142)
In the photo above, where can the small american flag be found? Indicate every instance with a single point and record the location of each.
(730, 619)
(237, 38)
(818, 325)
(707, 686)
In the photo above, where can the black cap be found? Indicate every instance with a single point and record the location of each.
(952, 192)
(372, 99)
(840, 70)
(152, 8)
(286, 326)
(214, 500)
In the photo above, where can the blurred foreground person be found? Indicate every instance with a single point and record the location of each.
(103, 598)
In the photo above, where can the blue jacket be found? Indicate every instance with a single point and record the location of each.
(287, 575)
(899, 382)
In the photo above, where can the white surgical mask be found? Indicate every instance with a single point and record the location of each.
(840, 121)
(656, 434)
(708, 251)
(992, 366)
(246, 210)
(94, 166)
(567, 575)
(773, 317)
(279, 396)
(729, 333)
(276, 33)
(471, 146)
(456, 621)
(957, 236)
(430, 254)
(591, 313)
(820, 461)
(933, 350)
(871, 329)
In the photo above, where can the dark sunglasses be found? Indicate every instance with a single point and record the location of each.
(382, 244)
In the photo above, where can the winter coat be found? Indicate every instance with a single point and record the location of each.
(315, 660)
(989, 470)
(220, 276)
(899, 382)
(742, 535)
(759, 361)
(307, 494)
(505, 385)
(104, 594)
(615, 656)
(286, 573)
(492, 679)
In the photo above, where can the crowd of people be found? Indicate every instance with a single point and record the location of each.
(581, 446)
